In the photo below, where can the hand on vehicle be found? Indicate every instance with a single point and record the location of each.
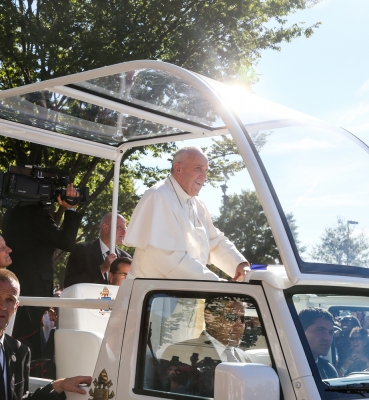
(241, 270)
(72, 384)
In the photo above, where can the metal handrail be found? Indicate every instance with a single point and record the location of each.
(66, 303)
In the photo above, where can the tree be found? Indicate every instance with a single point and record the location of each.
(47, 39)
(341, 246)
(224, 158)
(221, 39)
(243, 221)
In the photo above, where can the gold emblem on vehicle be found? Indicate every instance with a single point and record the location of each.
(105, 295)
(102, 385)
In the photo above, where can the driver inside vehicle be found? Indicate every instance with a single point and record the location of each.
(189, 366)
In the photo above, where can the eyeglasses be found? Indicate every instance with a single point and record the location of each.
(234, 318)
(120, 227)
(124, 274)
(354, 338)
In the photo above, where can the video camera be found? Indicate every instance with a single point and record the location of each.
(36, 184)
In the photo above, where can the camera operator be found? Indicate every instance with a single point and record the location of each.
(32, 234)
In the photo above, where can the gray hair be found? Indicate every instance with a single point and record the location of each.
(185, 152)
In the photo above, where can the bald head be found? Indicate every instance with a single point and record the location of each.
(189, 168)
(105, 228)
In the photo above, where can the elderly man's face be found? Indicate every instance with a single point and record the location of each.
(5, 251)
(8, 302)
(120, 232)
(122, 272)
(191, 173)
(320, 337)
(121, 229)
(227, 324)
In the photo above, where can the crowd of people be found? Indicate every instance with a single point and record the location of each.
(352, 344)
(344, 335)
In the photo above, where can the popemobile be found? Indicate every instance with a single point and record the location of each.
(141, 341)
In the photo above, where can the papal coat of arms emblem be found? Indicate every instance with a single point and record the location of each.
(102, 385)
(105, 295)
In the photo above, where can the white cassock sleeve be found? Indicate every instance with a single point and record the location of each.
(223, 253)
(179, 265)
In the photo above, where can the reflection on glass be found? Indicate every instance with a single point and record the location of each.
(188, 337)
(319, 177)
(336, 331)
(157, 90)
(57, 113)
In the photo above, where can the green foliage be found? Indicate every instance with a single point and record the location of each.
(219, 38)
(339, 245)
(224, 158)
(46, 39)
(243, 221)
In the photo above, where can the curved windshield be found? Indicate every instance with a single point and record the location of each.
(320, 178)
(319, 175)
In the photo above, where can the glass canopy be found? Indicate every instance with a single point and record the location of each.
(131, 105)
(104, 109)
(300, 166)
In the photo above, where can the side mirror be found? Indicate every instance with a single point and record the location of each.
(240, 381)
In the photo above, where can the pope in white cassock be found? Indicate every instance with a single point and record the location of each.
(172, 231)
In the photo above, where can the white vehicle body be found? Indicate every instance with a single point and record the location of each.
(90, 340)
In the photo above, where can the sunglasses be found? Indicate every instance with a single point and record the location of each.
(234, 318)
(353, 339)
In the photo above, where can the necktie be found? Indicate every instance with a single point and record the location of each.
(105, 273)
(230, 356)
(2, 366)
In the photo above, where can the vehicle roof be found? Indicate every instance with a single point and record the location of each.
(99, 112)
(104, 112)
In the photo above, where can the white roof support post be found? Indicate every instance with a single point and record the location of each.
(114, 206)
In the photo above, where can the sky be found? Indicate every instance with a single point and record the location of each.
(327, 75)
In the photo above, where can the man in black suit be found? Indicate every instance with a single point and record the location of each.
(318, 325)
(32, 234)
(15, 356)
(90, 262)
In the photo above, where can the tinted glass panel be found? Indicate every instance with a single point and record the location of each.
(185, 338)
(335, 329)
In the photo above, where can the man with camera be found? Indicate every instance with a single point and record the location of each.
(32, 234)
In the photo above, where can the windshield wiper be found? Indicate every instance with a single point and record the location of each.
(357, 388)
